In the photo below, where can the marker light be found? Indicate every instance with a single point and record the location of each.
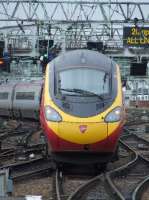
(52, 115)
(114, 115)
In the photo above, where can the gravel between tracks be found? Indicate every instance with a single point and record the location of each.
(41, 186)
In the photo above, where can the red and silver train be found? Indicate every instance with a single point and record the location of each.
(81, 106)
(82, 111)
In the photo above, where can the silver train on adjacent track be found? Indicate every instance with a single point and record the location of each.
(20, 99)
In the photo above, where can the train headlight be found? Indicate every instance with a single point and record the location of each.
(52, 115)
(114, 116)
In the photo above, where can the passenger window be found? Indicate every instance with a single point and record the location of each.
(3, 95)
(25, 95)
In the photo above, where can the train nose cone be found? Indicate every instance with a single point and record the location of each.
(83, 128)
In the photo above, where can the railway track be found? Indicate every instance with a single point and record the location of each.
(67, 179)
(141, 147)
(86, 188)
(136, 116)
(126, 179)
(29, 168)
(130, 180)
(126, 155)
(142, 190)
(95, 188)
(12, 138)
(138, 144)
(125, 182)
(16, 142)
(6, 154)
(66, 184)
(77, 187)
(9, 156)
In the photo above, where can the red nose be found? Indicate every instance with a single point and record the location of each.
(83, 128)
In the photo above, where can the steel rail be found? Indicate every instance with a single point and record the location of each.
(22, 170)
(124, 170)
(131, 171)
(137, 194)
(58, 183)
(118, 194)
(83, 189)
(139, 144)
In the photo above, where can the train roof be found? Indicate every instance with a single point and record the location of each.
(83, 58)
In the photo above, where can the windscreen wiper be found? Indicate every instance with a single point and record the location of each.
(82, 92)
(70, 90)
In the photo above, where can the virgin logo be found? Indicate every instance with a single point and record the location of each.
(83, 128)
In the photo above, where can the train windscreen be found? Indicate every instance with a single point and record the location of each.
(83, 81)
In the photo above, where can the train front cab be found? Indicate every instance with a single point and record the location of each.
(76, 139)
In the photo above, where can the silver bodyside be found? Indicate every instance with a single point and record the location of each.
(6, 96)
(23, 99)
(26, 100)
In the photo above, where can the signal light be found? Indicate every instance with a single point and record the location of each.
(1, 62)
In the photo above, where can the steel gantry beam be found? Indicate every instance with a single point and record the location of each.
(72, 11)
(81, 20)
